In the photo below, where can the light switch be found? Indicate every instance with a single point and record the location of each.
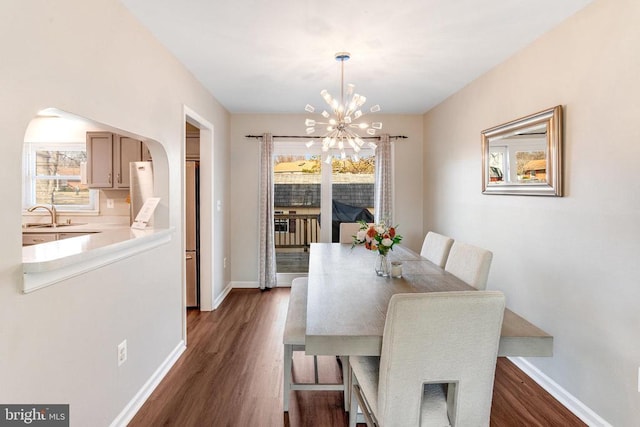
(109, 203)
(219, 205)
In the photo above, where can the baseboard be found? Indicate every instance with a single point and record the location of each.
(222, 296)
(569, 401)
(243, 285)
(143, 394)
(255, 285)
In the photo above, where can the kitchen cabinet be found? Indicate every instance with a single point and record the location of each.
(192, 145)
(37, 238)
(61, 236)
(108, 158)
(146, 154)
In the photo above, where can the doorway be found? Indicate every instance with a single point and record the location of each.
(192, 215)
(308, 190)
(204, 129)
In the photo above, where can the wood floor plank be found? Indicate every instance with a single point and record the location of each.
(231, 375)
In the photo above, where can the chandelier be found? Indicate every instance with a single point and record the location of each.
(343, 120)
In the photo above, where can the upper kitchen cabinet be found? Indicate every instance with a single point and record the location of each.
(146, 154)
(192, 147)
(108, 158)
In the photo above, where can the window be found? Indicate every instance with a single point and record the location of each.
(53, 176)
(307, 189)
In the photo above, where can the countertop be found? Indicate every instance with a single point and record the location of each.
(47, 263)
(75, 228)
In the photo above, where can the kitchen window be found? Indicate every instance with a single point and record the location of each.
(52, 176)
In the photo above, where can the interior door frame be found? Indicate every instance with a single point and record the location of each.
(207, 212)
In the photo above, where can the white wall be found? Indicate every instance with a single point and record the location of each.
(245, 161)
(570, 265)
(58, 345)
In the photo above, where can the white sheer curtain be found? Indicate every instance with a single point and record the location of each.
(267, 274)
(383, 185)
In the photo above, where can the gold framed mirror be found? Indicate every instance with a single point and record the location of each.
(524, 156)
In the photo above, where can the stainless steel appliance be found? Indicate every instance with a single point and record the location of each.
(192, 225)
(140, 187)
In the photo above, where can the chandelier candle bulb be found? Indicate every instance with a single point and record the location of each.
(350, 88)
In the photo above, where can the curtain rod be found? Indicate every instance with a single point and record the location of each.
(320, 137)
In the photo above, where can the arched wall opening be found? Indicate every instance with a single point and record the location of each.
(56, 128)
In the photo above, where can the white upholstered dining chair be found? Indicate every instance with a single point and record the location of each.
(436, 248)
(294, 340)
(470, 264)
(437, 362)
(348, 230)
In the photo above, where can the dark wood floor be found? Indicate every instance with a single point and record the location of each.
(231, 375)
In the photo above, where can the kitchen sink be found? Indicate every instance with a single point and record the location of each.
(41, 225)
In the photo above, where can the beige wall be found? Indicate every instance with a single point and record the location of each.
(245, 161)
(568, 264)
(58, 344)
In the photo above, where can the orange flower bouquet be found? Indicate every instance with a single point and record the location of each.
(377, 237)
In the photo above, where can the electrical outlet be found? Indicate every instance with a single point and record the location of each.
(122, 352)
(225, 262)
(109, 203)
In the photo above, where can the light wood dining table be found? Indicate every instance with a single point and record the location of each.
(347, 302)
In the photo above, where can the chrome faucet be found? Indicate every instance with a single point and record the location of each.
(52, 212)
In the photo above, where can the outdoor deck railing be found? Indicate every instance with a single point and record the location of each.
(296, 230)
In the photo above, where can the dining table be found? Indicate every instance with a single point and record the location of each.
(347, 302)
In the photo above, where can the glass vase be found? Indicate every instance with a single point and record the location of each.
(383, 265)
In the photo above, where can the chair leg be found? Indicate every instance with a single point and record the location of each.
(353, 402)
(286, 391)
(346, 381)
(315, 369)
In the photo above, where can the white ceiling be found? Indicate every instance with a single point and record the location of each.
(259, 56)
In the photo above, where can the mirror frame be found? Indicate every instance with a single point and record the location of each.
(552, 117)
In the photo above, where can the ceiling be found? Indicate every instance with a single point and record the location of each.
(259, 56)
